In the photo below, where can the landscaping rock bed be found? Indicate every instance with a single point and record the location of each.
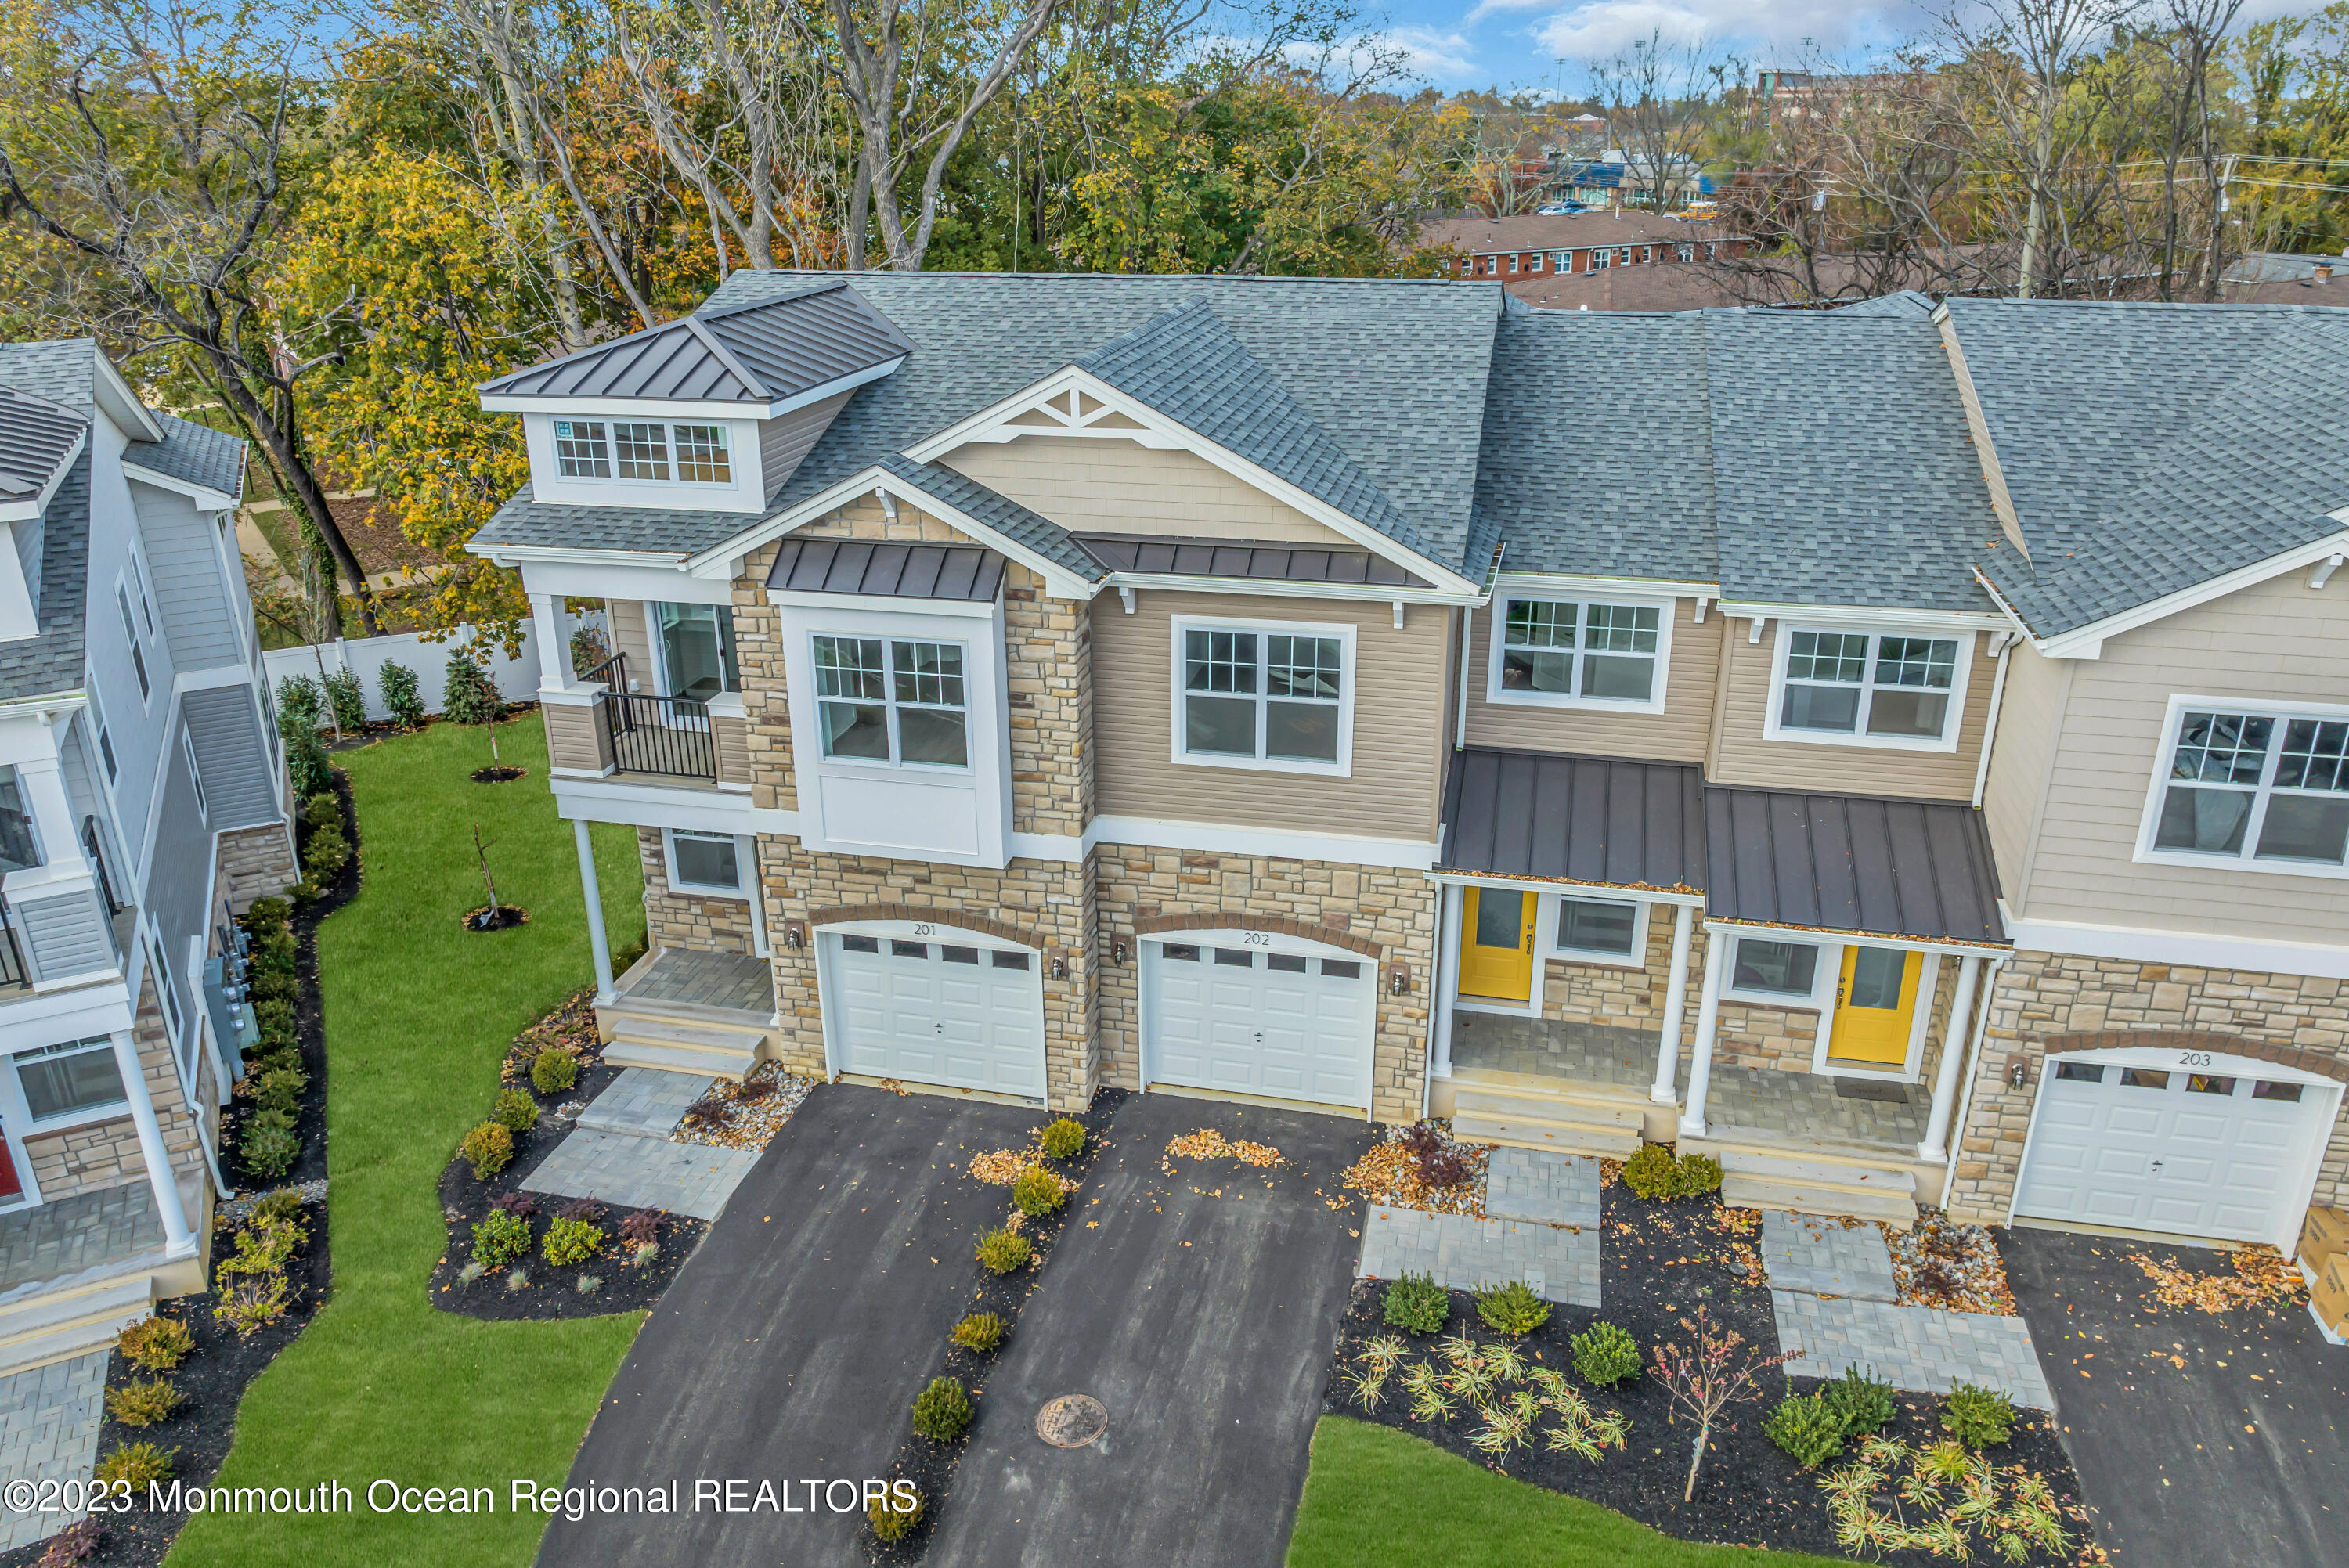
(553, 1289)
(931, 1466)
(1664, 1261)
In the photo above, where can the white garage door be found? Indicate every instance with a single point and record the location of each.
(927, 1011)
(1288, 1025)
(2174, 1150)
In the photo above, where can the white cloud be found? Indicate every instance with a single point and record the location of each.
(1442, 59)
(1599, 28)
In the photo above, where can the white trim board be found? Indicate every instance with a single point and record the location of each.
(2088, 642)
(2193, 949)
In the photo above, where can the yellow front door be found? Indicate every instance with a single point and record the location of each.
(1875, 1000)
(1497, 944)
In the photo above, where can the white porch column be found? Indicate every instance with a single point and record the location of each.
(176, 1234)
(596, 938)
(1665, 1091)
(1447, 973)
(1708, 1019)
(1954, 1042)
(553, 646)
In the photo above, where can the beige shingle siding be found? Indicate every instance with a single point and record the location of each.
(2014, 791)
(1741, 755)
(1091, 486)
(1678, 734)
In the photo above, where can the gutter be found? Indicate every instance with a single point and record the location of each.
(1989, 724)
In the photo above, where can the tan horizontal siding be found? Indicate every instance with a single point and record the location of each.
(2031, 715)
(575, 738)
(630, 636)
(730, 738)
(2277, 641)
(1676, 735)
(1741, 756)
(1399, 753)
(1097, 486)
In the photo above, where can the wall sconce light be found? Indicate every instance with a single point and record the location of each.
(1059, 966)
(794, 934)
(1399, 978)
(2018, 1072)
(1117, 951)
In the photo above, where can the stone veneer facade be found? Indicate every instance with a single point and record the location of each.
(255, 863)
(2049, 1002)
(106, 1153)
(675, 919)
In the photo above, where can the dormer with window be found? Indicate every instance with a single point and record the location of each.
(711, 412)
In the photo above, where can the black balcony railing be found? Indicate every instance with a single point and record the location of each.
(13, 971)
(612, 672)
(669, 736)
(89, 842)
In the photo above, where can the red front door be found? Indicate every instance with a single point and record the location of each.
(10, 1189)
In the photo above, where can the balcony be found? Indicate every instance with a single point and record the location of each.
(603, 730)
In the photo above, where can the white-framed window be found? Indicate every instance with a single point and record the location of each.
(1534, 264)
(583, 449)
(1576, 652)
(893, 701)
(2263, 785)
(106, 740)
(1686, 253)
(1904, 690)
(696, 649)
(1772, 970)
(706, 863)
(69, 1079)
(165, 990)
(1601, 258)
(1603, 930)
(1265, 694)
(701, 455)
(131, 635)
(641, 451)
(195, 773)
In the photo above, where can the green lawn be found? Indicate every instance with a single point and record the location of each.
(1377, 1497)
(418, 1012)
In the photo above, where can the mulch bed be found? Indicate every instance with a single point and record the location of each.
(931, 1466)
(1662, 1262)
(498, 775)
(552, 1291)
(505, 917)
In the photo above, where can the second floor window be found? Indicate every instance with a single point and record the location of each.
(696, 645)
(642, 451)
(2259, 787)
(1895, 688)
(646, 453)
(131, 635)
(892, 700)
(1566, 650)
(1262, 696)
(582, 449)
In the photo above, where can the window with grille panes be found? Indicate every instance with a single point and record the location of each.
(892, 700)
(582, 449)
(1876, 688)
(1577, 651)
(642, 451)
(2268, 789)
(1259, 695)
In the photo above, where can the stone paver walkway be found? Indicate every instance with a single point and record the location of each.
(1807, 1105)
(1543, 1186)
(49, 1431)
(644, 1101)
(1825, 1257)
(1919, 1349)
(637, 1172)
(85, 1231)
(1459, 1253)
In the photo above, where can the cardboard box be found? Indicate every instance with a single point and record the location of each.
(2328, 1298)
(2323, 1236)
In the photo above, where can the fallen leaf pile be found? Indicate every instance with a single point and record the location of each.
(1392, 1175)
(1208, 1144)
(1000, 1166)
(2261, 1276)
(1954, 1267)
(1610, 1172)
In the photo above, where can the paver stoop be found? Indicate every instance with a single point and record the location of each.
(1825, 1257)
(1923, 1350)
(1542, 1185)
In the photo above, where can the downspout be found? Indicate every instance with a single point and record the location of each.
(1989, 724)
(1973, 1068)
(1460, 722)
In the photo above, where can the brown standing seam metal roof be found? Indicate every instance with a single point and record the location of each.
(1246, 557)
(1576, 819)
(1837, 862)
(889, 571)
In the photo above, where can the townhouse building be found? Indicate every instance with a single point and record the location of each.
(1025, 684)
(142, 801)
(1537, 245)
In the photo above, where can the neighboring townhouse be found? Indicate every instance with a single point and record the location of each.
(1025, 684)
(141, 800)
(1524, 248)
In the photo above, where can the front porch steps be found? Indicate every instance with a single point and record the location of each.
(701, 1045)
(1806, 1178)
(60, 1323)
(1567, 1121)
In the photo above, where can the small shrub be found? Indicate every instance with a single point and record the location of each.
(274, 1017)
(1063, 1139)
(554, 1071)
(1606, 1355)
(138, 1463)
(155, 1344)
(347, 699)
(280, 1088)
(466, 695)
(586, 1209)
(571, 1241)
(499, 1238)
(396, 683)
(299, 701)
(1002, 1250)
(1038, 1191)
(1511, 1309)
(490, 1148)
(641, 1254)
(641, 1228)
(143, 1402)
(1863, 1403)
(515, 1110)
(520, 1204)
(942, 1411)
(1436, 1157)
(1807, 1429)
(517, 1278)
(981, 1331)
(271, 1117)
(282, 1207)
(1652, 1172)
(268, 1151)
(252, 1302)
(305, 756)
(1977, 1416)
(891, 1517)
(273, 914)
(472, 1272)
(1417, 1305)
(1945, 1461)
(590, 1284)
(1695, 1175)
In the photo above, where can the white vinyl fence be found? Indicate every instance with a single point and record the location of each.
(516, 679)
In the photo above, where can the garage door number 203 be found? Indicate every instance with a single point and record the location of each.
(2193, 1059)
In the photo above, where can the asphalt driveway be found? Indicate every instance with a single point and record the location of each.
(793, 1344)
(2200, 1439)
(1200, 1308)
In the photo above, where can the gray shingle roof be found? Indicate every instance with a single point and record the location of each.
(194, 452)
(1005, 516)
(63, 370)
(2149, 448)
(52, 661)
(530, 523)
(35, 435)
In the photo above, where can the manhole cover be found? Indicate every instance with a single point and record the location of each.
(1072, 1421)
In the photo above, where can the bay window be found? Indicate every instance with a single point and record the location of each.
(2264, 789)
(1249, 695)
(1574, 652)
(1880, 688)
(892, 700)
